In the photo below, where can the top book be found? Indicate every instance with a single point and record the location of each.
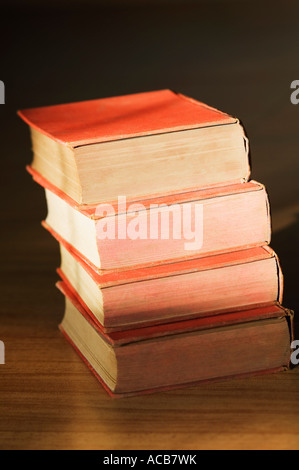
(138, 146)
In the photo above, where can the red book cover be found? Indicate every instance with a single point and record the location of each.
(121, 117)
(90, 210)
(91, 150)
(108, 278)
(166, 388)
(117, 337)
(221, 219)
(136, 336)
(173, 291)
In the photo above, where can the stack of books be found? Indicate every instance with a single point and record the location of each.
(166, 268)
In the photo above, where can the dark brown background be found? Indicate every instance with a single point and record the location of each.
(236, 55)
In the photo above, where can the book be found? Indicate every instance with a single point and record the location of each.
(120, 299)
(181, 354)
(153, 143)
(165, 229)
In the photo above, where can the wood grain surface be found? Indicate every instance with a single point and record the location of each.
(48, 397)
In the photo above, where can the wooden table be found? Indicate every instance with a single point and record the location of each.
(48, 398)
